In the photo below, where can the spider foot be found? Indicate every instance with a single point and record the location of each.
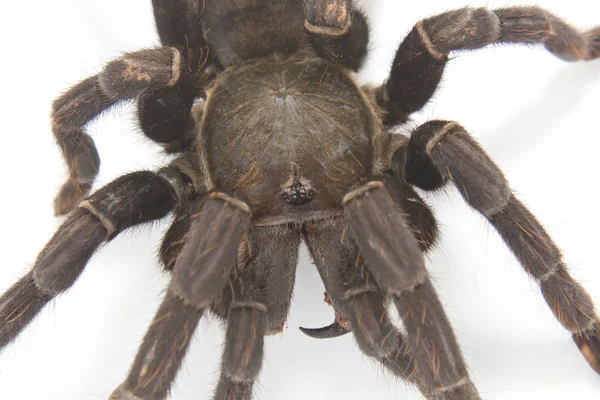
(594, 43)
(69, 196)
(589, 345)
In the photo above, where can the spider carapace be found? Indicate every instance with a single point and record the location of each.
(278, 144)
(289, 137)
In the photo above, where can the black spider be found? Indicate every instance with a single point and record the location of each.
(286, 147)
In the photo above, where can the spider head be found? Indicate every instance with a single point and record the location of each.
(288, 136)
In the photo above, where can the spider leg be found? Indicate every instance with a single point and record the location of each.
(121, 79)
(343, 271)
(337, 31)
(243, 353)
(421, 58)
(175, 237)
(256, 304)
(164, 113)
(356, 298)
(162, 350)
(394, 258)
(418, 215)
(178, 22)
(199, 276)
(440, 151)
(129, 200)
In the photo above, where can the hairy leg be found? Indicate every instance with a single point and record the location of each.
(161, 352)
(255, 305)
(394, 258)
(359, 304)
(164, 113)
(418, 215)
(128, 201)
(122, 79)
(421, 58)
(178, 22)
(337, 31)
(199, 275)
(440, 151)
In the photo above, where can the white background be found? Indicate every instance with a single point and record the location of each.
(536, 115)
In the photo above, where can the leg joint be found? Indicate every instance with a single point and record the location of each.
(121, 393)
(374, 333)
(180, 181)
(105, 221)
(463, 29)
(358, 291)
(132, 74)
(428, 43)
(444, 389)
(362, 191)
(249, 304)
(437, 137)
(232, 201)
(447, 148)
(175, 67)
(550, 273)
(592, 326)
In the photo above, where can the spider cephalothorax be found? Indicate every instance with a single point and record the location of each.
(288, 136)
(278, 144)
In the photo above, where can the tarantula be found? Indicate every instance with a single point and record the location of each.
(280, 145)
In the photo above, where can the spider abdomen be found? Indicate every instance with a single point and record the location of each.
(288, 136)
